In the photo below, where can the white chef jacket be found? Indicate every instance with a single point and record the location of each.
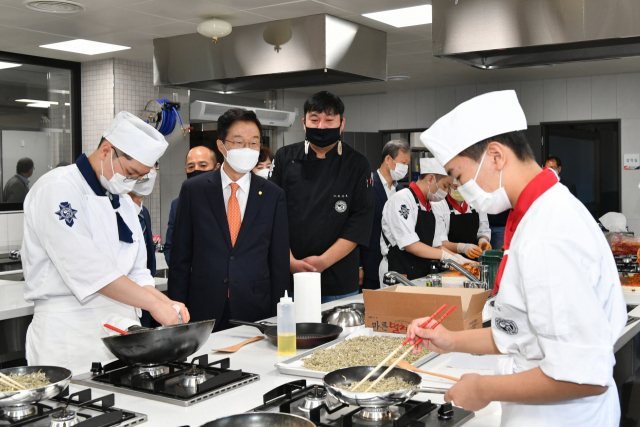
(66, 263)
(441, 210)
(243, 190)
(560, 307)
(399, 230)
(388, 191)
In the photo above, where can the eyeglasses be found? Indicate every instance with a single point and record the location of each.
(131, 178)
(241, 144)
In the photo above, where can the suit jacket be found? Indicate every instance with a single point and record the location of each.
(370, 257)
(148, 241)
(169, 236)
(204, 266)
(15, 190)
(570, 185)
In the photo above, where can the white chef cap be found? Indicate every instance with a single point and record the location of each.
(482, 117)
(136, 138)
(431, 165)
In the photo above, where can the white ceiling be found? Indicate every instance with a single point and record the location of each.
(136, 23)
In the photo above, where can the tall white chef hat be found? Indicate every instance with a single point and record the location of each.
(431, 165)
(482, 117)
(136, 138)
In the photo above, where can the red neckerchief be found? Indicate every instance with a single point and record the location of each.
(462, 209)
(418, 192)
(536, 188)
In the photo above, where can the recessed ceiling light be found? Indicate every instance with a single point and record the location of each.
(397, 78)
(39, 105)
(85, 47)
(54, 6)
(36, 101)
(405, 17)
(4, 65)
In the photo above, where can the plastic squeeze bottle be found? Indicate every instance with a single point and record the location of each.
(286, 326)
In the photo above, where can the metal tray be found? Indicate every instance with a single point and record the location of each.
(293, 366)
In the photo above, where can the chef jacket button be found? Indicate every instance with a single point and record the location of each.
(232, 257)
(226, 280)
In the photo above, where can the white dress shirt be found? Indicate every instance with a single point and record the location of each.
(443, 214)
(390, 191)
(243, 191)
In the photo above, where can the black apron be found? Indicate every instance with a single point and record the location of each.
(463, 228)
(404, 262)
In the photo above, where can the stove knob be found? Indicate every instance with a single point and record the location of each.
(446, 411)
(96, 368)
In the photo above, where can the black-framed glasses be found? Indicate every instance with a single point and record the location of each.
(241, 144)
(131, 178)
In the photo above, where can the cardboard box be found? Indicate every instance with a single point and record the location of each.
(392, 309)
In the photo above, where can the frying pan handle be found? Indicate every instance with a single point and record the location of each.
(430, 390)
(262, 326)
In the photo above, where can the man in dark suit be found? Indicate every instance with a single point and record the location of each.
(230, 249)
(17, 187)
(396, 158)
(199, 160)
(555, 163)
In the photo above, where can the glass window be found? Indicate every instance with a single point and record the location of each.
(36, 133)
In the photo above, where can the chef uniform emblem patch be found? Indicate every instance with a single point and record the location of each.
(340, 206)
(506, 325)
(404, 211)
(67, 213)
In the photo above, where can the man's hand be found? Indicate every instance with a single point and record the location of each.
(441, 340)
(183, 311)
(467, 393)
(300, 266)
(317, 262)
(164, 313)
(361, 276)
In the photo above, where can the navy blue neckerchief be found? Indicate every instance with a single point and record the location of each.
(124, 233)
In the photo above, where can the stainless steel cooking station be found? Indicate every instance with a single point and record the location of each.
(309, 51)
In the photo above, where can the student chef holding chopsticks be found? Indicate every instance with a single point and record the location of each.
(560, 307)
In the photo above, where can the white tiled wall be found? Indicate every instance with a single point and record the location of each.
(580, 98)
(97, 101)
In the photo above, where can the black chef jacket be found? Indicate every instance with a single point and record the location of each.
(327, 199)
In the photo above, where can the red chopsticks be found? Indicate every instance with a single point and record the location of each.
(434, 325)
(113, 328)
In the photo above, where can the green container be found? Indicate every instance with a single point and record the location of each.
(493, 259)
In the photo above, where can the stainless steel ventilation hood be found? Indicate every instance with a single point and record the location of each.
(491, 34)
(309, 51)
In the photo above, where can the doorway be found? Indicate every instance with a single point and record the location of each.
(590, 155)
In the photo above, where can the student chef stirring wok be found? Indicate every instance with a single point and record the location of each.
(560, 308)
(84, 257)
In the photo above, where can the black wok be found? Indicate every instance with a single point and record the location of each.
(260, 419)
(308, 335)
(160, 345)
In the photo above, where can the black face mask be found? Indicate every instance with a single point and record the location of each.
(322, 137)
(195, 173)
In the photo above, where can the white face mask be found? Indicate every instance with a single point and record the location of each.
(117, 183)
(399, 172)
(263, 173)
(439, 195)
(242, 160)
(145, 188)
(491, 203)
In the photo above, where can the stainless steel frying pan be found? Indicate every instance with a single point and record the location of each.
(59, 378)
(355, 374)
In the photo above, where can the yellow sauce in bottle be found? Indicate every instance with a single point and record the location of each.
(286, 344)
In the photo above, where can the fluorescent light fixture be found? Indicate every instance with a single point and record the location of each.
(405, 17)
(4, 65)
(85, 47)
(39, 105)
(36, 101)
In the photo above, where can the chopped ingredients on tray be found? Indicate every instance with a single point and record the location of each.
(475, 270)
(30, 381)
(385, 385)
(630, 280)
(358, 351)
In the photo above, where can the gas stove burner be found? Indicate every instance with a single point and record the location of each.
(64, 419)
(193, 378)
(313, 399)
(377, 414)
(18, 412)
(152, 371)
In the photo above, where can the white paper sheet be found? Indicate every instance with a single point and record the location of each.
(470, 361)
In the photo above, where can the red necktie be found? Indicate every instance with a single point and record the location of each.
(536, 188)
(233, 214)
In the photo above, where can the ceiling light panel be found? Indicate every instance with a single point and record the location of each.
(4, 65)
(85, 47)
(405, 17)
